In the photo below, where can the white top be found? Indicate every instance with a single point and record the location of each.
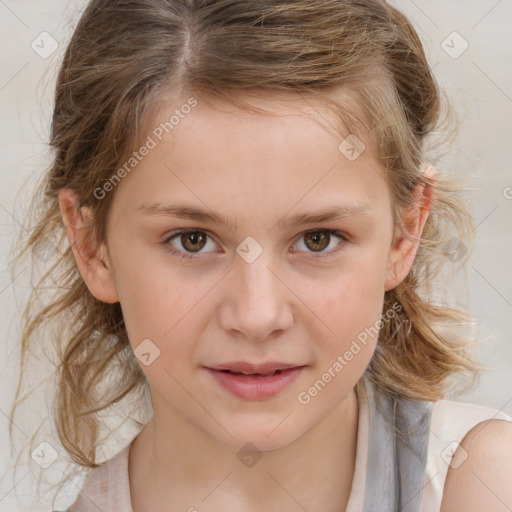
(107, 487)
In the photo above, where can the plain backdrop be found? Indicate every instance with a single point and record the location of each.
(469, 46)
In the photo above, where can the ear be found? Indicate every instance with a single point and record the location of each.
(405, 244)
(90, 256)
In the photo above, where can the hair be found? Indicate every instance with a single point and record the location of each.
(363, 58)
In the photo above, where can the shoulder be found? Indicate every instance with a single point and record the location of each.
(480, 477)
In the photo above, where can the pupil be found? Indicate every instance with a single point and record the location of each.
(317, 238)
(190, 240)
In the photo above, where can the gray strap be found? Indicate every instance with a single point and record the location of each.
(397, 452)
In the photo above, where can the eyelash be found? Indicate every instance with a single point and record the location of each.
(319, 255)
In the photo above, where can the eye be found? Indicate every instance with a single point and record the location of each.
(193, 241)
(319, 239)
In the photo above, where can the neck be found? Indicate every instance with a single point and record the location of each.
(188, 468)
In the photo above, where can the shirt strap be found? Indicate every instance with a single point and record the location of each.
(397, 451)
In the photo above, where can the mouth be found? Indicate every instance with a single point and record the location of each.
(252, 382)
(246, 368)
(269, 374)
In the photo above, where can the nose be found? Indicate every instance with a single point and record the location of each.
(257, 304)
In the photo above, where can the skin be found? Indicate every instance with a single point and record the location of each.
(287, 305)
(482, 481)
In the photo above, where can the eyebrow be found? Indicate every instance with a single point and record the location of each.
(184, 211)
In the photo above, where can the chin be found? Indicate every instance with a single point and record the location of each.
(259, 434)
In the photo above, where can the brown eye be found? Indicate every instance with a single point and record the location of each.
(324, 242)
(193, 240)
(317, 240)
(189, 243)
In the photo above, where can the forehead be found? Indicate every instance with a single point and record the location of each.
(213, 153)
(170, 114)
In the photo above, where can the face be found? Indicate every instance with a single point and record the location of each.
(260, 286)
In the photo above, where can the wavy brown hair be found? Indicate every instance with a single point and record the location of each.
(363, 58)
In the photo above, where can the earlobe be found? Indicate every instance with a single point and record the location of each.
(406, 240)
(91, 257)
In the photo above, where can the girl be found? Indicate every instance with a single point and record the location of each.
(254, 229)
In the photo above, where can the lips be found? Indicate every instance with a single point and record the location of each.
(257, 374)
(255, 381)
(264, 369)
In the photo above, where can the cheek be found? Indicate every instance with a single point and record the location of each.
(354, 294)
(349, 305)
(157, 303)
(164, 321)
